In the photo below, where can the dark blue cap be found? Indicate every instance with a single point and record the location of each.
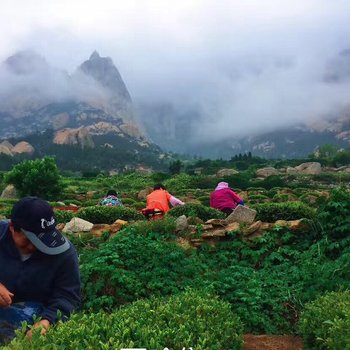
(36, 219)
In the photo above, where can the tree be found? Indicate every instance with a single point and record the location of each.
(327, 151)
(39, 177)
(175, 167)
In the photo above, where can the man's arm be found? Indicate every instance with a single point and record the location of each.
(66, 290)
(5, 296)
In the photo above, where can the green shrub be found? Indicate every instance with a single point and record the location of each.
(205, 200)
(131, 266)
(63, 216)
(139, 205)
(270, 212)
(188, 320)
(280, 197)
(107, 215)
(196, 210)
(178, 182)
(128, 201)
(334, 216)
(271, 182)
(39, 177)
(164, 228)
(322, 319)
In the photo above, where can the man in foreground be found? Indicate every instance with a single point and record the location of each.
(39, 271)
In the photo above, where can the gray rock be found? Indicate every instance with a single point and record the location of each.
(266, 172)
(181, 224)
(311, 168)
(291, 171)
(78, 225)
(226, 172)
(242, 215)
(9, 192)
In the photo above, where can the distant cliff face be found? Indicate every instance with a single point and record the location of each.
(36, 97)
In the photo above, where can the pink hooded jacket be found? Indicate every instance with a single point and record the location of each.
(224, 197)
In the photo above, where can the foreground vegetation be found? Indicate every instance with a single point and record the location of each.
(143, 288)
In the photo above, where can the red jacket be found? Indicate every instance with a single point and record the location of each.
(225, 198)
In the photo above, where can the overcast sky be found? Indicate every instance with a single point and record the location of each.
(244, 64)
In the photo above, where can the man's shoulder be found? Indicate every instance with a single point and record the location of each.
(3, 227)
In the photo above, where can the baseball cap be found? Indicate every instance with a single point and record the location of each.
(36, 219)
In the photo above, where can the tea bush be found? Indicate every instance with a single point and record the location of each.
(271, 212)
(190, 319)
(63, 216)
(334, 216)
(323, 322)
(163, 229)
(131, 266)
(196, 210)
(107, 215)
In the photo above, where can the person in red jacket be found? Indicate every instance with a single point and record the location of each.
(158, 201)
(224, 198)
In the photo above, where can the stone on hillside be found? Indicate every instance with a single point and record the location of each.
(90, 194)
(226, 172)
(78, 225)
(98, 229)
(142, 195)
(266, 172)
(242, 215)
(9, 192)
(281, 223)
(295, 225)
(62, 204)
(218, 233)
(23, 147)
(73, 205)
(232, 227)
(291, 171)
(181, 223)
(5, 150)
(217, 222)
(311, 168)
(252, 228)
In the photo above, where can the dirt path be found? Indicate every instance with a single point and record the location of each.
(272, 342)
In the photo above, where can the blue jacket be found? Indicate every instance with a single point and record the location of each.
(52, 280)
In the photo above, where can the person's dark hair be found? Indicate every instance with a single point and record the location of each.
(111, 193)
(159, 187)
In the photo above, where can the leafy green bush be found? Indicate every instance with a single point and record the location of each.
(164, 228)
(131, 266)
(128, 201)
(179, 182)
(39, 177)
(107, 215)
(63, 216)
(334, 216)
(190, 319)
(205, 200)
(322, 319)
(271, 212)
(196, 210)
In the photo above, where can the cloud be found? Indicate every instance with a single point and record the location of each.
(246, 66)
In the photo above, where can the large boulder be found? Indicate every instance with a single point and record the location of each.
(9, 192)
(310, 168)
(181, 224)
(266, 172)
(242, 215)
(226, 172)
(142, 195)
(78, 225)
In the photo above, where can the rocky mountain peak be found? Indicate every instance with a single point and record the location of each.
(106, 73)
(26, 62)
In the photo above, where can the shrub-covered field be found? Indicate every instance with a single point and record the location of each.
(144, 288)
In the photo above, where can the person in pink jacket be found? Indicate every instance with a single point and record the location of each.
(224, 198)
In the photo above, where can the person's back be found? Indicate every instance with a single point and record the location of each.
(111, 200)
(224, 198)
(159, 199)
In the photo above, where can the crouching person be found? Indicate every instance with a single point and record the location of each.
(39, 271)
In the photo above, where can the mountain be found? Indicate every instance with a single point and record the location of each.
(88, 109)
(176, 129)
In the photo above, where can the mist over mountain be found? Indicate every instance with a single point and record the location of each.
(282, 109)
